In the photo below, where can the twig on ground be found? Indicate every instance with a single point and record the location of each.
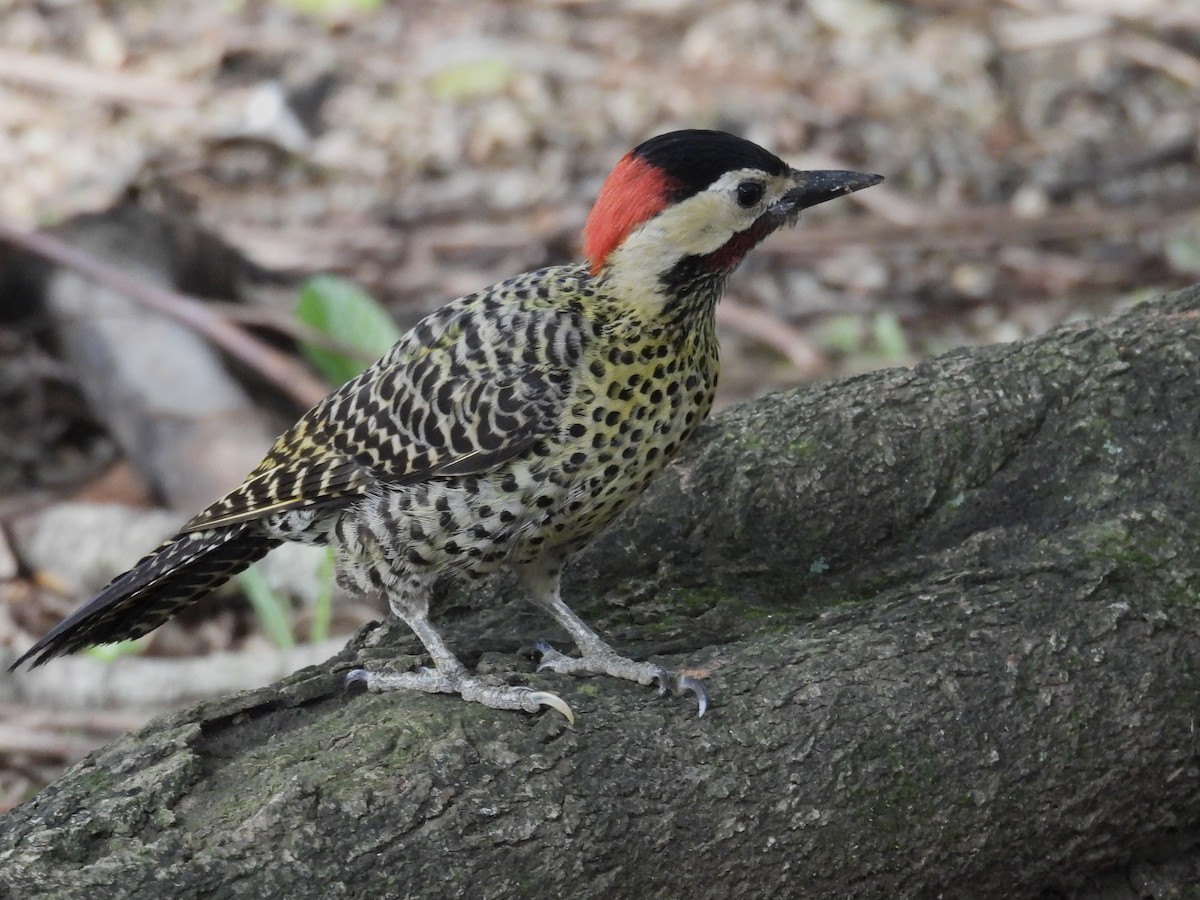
(1154, 54)
(66, 76)
(281, 370)
(775, 333)
(284, 324)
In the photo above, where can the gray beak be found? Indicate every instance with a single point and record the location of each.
(817, 187)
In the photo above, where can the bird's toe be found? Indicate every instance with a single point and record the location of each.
(552, 660)
(679, 684)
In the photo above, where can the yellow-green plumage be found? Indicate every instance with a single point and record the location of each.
(480, 449)
(507, 425)
(506, 428)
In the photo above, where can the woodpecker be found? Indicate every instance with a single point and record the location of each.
(507, 428)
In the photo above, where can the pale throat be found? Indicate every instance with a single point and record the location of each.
(636, 270)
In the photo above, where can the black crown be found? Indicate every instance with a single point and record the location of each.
(695, 158)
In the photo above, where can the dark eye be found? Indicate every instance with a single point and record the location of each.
(749, 193)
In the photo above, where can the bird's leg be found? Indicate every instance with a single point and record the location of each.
(448, 675)
(597, 657)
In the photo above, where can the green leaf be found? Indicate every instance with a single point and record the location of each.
(1183, 252)
(343, 312)
(477, 78)
(322, 609)
(115, 650)
(271, 609)
(889, 336)
(843, 334)
(331, 7)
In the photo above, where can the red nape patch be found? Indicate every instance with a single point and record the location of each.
(635, 192)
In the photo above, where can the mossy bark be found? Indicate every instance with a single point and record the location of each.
(949, 618)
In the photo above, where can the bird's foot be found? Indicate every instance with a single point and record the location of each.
(473, 690)
(619, 667)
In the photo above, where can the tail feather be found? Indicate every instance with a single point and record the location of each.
(178, 573)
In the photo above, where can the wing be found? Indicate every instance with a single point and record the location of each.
(472, 385)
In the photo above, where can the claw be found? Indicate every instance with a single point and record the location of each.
(696, 686)
(545, 698)
(663, 680)
(679, 684)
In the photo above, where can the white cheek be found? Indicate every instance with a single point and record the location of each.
(634, 270)
(652, 248)
(698, 226)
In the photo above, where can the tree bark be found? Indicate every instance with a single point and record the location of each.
(949, 618)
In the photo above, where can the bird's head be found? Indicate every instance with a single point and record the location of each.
(687, 207)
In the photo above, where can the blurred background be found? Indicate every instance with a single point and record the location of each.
(1041, 164)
